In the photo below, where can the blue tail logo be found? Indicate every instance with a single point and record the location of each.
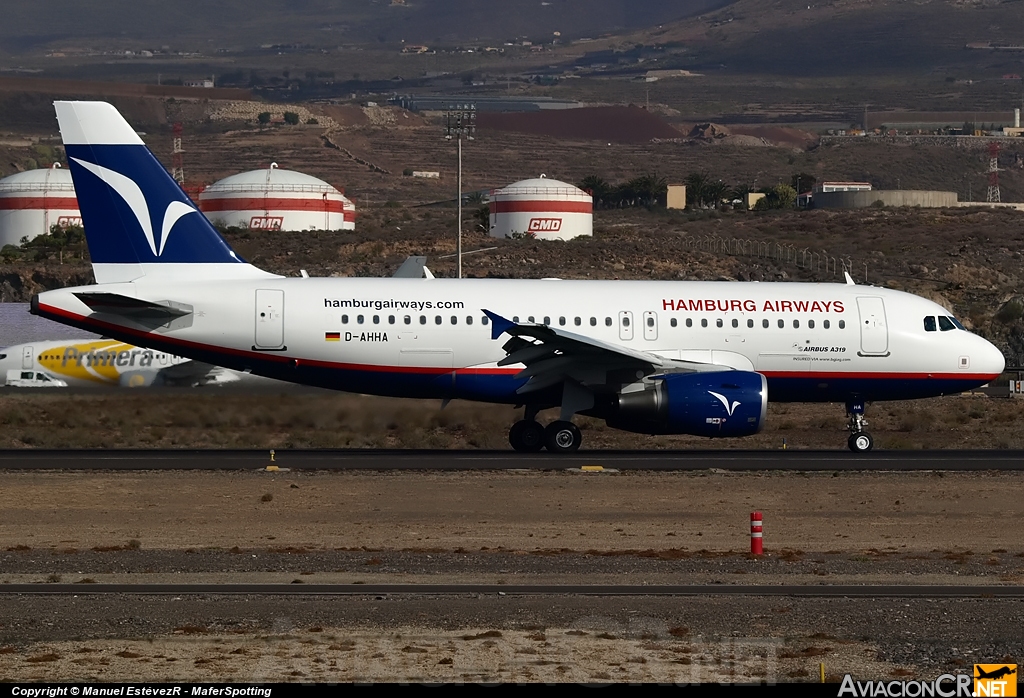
(129, 191)
(134, 212)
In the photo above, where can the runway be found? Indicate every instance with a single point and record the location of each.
(908, 591)
(476, 460)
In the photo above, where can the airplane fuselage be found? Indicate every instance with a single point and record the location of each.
(430, 338)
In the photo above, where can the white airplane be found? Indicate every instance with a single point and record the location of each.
(656, 357)
(84, 363)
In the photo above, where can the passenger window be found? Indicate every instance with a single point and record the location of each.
(359, 319)
(782, 324)
(735, 322)
(842, 324)
(344, 319)
(437, 319)
(764, 323)
(689, 322)
(650, 322)
(796, 324)
(547, 320)
(944, 324)
(455, 320)
(608, 322)
(929, 323)
(376, 319)
(408, 320)
(810, 324)
(515, 319)
(561, 321)
(593, 322)
(750, 323)
(704, 322)
(718, 322)
(469, 319)
(423, 319)
(529, 319)
(485, 320)
(673, 322)
(391, 319)
(826, 324)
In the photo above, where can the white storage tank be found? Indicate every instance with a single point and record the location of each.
(542, 208)
(32, 201)
(276, 199)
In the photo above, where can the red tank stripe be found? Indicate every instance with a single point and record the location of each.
(23, 203)
(541, 207)
(273, 204)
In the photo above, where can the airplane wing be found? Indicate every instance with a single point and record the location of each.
(552, 356)
(195, 373)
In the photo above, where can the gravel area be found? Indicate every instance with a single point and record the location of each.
(505, 528)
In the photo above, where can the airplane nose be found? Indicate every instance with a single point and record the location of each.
(989, 359)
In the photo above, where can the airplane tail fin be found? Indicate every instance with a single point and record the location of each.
(138, 221)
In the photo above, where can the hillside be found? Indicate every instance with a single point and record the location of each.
(851, 37)
(199, 26)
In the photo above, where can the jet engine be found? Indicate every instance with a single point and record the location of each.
(719, 403)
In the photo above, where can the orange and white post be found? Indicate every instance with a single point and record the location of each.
(756, 540)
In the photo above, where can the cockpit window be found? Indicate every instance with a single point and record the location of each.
(956, 323)
(3, 356)
(929, 323)
(945, 325)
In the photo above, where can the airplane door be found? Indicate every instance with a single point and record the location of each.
(27, 358)
(269, 319)
(650, 325)
(625, 325)
(874, 335)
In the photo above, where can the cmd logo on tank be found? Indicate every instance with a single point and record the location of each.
(545, 225)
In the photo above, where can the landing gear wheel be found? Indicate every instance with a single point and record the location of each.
(562, 437)
(861, 442)
(526, 436)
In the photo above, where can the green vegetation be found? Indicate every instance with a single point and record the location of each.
(644, 191)
(49, 246)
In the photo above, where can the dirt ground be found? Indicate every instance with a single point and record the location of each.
(522, 527)
(523, 510)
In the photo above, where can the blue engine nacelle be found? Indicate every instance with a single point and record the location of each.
(719, 403)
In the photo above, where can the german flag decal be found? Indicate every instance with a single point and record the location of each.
(332, 336)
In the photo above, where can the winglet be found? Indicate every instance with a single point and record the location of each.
(498, 324)
(849, 279)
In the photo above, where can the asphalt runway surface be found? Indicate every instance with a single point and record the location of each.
(476, 460)
(786, 590)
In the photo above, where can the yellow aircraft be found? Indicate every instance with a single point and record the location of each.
(108, 362)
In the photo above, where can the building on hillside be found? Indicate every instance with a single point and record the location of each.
(31, 202)
(542, 208)
(276, 199)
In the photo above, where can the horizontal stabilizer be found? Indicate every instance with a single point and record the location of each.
(132, 308)
(413, 268)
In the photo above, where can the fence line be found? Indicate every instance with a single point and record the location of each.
(803, 257)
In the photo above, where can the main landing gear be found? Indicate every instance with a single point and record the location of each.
(860, 441)
(528, 436)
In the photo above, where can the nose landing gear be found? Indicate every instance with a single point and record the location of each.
(860, 441)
